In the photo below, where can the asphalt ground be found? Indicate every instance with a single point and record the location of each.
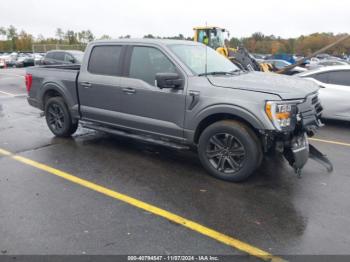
(73, 198)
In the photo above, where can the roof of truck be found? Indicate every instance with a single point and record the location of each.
(148, 41)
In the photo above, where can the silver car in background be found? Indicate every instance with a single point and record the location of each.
(335, 90)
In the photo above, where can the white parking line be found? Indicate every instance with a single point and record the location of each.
(14, 75)
(12, 95)
(10, 77)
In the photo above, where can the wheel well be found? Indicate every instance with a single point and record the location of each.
(48, 94)
(218, 117)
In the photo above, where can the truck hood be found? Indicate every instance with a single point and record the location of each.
(286, 87)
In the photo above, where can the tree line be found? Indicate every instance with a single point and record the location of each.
(302, 45)
(14, 40)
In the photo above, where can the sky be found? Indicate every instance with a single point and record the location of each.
(168, 18)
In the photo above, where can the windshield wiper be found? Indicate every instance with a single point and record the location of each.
(236, 71)
(216, 73)
(213, 73)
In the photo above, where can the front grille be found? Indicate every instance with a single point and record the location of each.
(310, 111)
(317, 105)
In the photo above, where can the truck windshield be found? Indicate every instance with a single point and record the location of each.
(195, 57)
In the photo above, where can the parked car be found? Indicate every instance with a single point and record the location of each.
(58, 57)
(259, 56)
(38, 58)
(335, 90)
(11, 59)
(326, 62)
(6, 58)
(2, 62)
(280, 64)
(24, 60)
(181, 94)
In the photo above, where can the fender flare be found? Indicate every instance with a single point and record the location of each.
(233, 110)
(48, 86)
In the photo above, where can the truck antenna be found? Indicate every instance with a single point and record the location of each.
(206, 51)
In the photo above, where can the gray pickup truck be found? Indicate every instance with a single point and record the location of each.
(184, 95)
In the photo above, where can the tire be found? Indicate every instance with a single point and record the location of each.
(58, 117)
(229, 150)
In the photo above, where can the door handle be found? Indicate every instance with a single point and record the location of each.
(129, 90)
(195, 98)
(194, 93)
(86, 84)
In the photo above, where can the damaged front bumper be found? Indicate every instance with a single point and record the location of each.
(299, 151)
(294, 144)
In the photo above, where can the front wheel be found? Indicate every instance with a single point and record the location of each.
(58, 117)
(229, 150)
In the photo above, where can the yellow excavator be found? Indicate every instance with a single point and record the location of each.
(218, 39)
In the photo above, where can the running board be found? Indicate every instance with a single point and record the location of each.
(316, 155)
(119, 132)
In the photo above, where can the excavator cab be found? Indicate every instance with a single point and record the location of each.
(215, 37)
(211, 36)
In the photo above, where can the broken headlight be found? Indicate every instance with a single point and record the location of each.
(282, 113)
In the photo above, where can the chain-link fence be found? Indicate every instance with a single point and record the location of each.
(43, 48)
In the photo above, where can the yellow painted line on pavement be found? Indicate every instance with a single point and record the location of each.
(330, 142)
(4, 152)
(230, 241)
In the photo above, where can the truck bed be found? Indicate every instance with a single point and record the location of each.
(62, 78)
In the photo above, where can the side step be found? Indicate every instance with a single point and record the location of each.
(119, 132)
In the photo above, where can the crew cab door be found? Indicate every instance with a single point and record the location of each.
(99, 84)
(146, 106)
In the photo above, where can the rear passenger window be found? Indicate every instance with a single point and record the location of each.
(340, 78)
(104, 60)
(146, 62)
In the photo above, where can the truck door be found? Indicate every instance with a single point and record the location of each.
(147, 107)
(99, 84)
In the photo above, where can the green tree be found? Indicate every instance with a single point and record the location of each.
(148, 36)
(85, 36)
(234, 42)
(24, 41)
(126, 36)
(2, 31)
(60, 34)
(105, 37)
(71, 37)
(11, 34)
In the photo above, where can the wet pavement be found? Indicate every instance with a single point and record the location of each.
(274, 210)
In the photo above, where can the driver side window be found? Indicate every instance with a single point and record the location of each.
(146, 62)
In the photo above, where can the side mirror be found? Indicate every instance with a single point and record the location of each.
(169, 80)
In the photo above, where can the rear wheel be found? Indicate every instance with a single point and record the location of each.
(229, 150)
(58, 117)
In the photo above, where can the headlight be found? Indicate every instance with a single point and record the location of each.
(281, 113)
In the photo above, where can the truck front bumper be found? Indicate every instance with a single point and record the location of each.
(299, 151)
